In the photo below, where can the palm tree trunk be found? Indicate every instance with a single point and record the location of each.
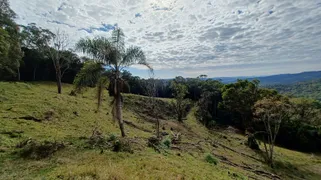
(119, 105)
(119, 114)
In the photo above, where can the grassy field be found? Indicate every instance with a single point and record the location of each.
(35, 111)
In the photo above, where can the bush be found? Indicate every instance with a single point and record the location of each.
(114, 143)
(252, 143)
(38, 150)
(97, 140)
(210, 159)
(153, 141)
(112, 137)
(167, 142)
(122, 145)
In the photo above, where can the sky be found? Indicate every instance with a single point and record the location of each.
(219, 38)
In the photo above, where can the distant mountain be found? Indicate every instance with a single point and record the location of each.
(277, 79)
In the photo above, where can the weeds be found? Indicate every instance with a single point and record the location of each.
(210, 159)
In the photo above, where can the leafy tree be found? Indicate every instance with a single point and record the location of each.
(10, 50)
(15, 54)
(6, 14)
(35, 41)
(58, 52)
(5, 65)
(4, 43)
(239, 99)
(207, 111)
(179, 93)
(113, 54)
(271, 111)
(306, 111)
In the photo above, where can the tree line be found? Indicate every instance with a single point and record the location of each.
(31, 53)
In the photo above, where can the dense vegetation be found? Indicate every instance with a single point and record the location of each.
(186, 122)
(308, 89)
(33, 53)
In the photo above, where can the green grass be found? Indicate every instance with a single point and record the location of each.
(73, 120)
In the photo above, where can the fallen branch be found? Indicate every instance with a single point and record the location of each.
(30, 118)
(175, 147)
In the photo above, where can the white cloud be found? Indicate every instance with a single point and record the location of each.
(196, 35)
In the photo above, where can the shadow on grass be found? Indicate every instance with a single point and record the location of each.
(286, 169)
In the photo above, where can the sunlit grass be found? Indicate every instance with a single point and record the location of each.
(74, 119)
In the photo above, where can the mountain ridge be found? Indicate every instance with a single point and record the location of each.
(288, 78)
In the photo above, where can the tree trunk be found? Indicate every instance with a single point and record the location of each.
(18, 73)
(119, 114)
(58, 77)
(157, 127)
(119, 106)
(34, 73)
(59, 84)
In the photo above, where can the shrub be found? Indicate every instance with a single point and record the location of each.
(210, 159)
(252, 143)
(167, 142)
(112, 137)
(153, 141)
(39, 150)
(122, 145)
(97, 140)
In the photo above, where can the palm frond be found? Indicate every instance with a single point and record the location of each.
(118, 39)
(88, 75)
(134, 55)
(99, 48)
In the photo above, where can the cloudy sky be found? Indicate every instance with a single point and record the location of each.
(219, 38)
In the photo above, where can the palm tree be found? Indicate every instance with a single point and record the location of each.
(113, 54)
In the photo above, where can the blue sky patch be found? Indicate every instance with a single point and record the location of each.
(138, 15)
(104, 28)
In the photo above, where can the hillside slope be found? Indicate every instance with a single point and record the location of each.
(36, 111)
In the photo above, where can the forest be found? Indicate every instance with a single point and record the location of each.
(287, 116)
(307, 89)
